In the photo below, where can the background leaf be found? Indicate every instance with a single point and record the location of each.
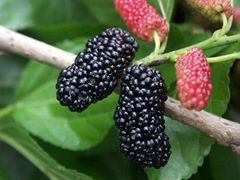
(105, 157)
(10, 68)
(19, 14)
(220, 78)
(104, 11)
(53, 33)
(14, 135)
(20, 169)
(237, 3)
(59, 11)
(223, 163)
(3, 174)
(13, 20)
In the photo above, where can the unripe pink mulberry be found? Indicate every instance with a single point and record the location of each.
(193, 79)
(212, 9)
(236, 15)
(142, 19)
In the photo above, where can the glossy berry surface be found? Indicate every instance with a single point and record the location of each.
(94, 74)
(193, 79)
(139, 117)
(142, 18)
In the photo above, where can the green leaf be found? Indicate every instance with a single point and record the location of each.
(219, 100)
(224, 163)
(10, 68)
(15, 14)
(59, 11)
(104, 11)
(14, 170)
(19, 14)
(99, 160)
(53, 33)
(36, 96)
(12, 134)
(237, 3)
(220, 79)
(180, 37)
(3, 174)
(41, 114)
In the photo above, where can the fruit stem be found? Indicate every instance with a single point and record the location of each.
(217, 59)
(162, 9)
(164, 44)
(6, 111)
(209, 43)
(157, 43)
(225, 24)
(228, 57)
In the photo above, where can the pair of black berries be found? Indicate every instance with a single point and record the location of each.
(139, 116)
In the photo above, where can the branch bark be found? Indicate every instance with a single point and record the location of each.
(225, 132)
(19, 44)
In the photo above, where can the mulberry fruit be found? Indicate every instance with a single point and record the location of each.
(94, 74)
(212, 9)
(194, 79)
(139, 117)
(236, 15)
(142, 19)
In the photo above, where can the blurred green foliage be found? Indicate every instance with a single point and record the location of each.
(88, 142)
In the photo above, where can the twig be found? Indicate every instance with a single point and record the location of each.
(225, 132)
(28, 47)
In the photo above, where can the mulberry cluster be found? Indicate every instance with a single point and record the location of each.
(194, 79)
(142, 18)
(93, 76)
(212, 9)
(139, 117)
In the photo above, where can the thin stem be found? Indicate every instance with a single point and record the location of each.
(209, 43)
(217, 59)
(164, 44)
(5, 111)
(229, 24)
(225, 23)
(223, 41)
(157, 42)
(225, 20)
(228, 57)
(162, 9)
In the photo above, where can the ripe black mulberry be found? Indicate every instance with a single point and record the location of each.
(94, 74)
(140, 117)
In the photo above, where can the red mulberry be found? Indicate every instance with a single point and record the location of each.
(142, 19)
(193, 79)
(212, 9)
